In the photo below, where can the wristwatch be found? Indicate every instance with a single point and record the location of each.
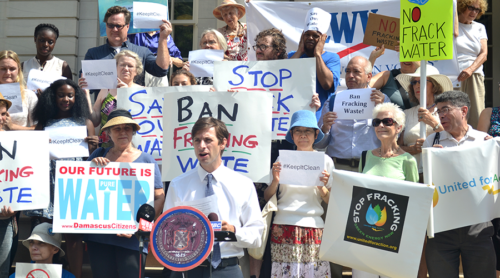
(436, 127)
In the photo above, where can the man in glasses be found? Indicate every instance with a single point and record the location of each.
(472, 243)
(117, 21)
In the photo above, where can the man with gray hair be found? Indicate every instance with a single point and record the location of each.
(471, 243)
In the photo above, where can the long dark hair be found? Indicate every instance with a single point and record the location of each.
(47, 109)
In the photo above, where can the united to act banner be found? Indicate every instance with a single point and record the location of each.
(24, 170)
(101, 200)
(247, 116)
(376, 224)
(467, 184)
(292, 82)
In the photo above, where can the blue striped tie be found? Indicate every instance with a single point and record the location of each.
(216, 256)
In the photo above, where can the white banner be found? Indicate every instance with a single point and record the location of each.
(301, 168)
(38, 79)
(292, 82)
(27, 270)
(201, 62)
(100, 74)
(248, 120)
(12, 92)
(24, 170)
(68, 141)
(376, 224)
(346, 33)
(91, 199)
(354, 104)
(467, 184)
(149, 15)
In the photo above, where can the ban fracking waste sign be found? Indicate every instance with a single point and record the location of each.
(426, 31)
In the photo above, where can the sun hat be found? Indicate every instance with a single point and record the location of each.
(227, 3)
(120, 117)
(43, 232)
(432, 72)
(304, 118)
(9, 103)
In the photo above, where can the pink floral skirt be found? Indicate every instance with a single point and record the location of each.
(295, 252)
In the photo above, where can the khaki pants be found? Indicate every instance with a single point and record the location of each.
(474, 88)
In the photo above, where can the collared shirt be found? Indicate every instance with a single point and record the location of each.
(236, 200)
(348, 138)
(447, 140)
(151, 42)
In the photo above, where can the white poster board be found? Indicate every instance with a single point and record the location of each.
(24, 170)
(354, 104)
(301, 167)
(201, 62)
(100, 74)
(149, 15)
(292, 82)
(376, 224)
(12, 92)
(27, 270)
(68, 141)
(91, 199)
(38, 79)
(247, 117)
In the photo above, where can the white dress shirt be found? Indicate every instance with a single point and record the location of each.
(236, 200)
(447, 140)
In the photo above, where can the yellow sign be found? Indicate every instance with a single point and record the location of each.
(426, 31)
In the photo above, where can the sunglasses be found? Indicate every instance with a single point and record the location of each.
(113, 26)
(415, 82)
(386, 121)
(474, 9)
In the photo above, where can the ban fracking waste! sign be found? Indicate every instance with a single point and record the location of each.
(426, 31)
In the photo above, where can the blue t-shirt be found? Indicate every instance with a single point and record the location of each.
(129, 243)
(65, 274)
(332, 61)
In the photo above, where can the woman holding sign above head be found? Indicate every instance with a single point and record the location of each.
(118, 255)
(298, 227)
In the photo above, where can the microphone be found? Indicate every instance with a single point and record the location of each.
(145, 217)
(214, 219)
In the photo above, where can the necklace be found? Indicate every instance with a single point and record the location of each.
(393, 152)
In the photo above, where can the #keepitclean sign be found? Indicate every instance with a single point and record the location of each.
(354, 104)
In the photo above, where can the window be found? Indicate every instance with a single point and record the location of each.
(183, 16)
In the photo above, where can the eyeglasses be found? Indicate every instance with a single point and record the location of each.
(474, 9)
(208, 43)
(262, 47)
(415, 82)
(445, 110)
(307, 132)
(386, 121)
(113, 26)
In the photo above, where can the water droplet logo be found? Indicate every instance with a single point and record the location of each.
(375, 216)
(419, 2)
(435, 197)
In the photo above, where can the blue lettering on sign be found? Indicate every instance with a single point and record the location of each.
(189, 164)
(239, 164)
(141, 192)
(283, 124)
(137, 102)
(69, 197)
(263, 78)
(156, 106)
(256, 76)
(142, 128)
(241, 76)
(123, 199)
(281, 102)
(282, 77)
(346, 27)
(90, 201)
(21, 195)
(109, 184)
(106, 205)
(157, 146)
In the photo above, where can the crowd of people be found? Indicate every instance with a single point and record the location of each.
(387, 145)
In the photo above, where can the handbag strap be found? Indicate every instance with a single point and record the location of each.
(363, 160)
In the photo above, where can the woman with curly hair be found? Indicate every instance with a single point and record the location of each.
(182, 77)
(63, 104)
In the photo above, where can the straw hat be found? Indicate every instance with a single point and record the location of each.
(304, 118)
(43, 232)
(120, 117)
(227, 3)
(432, 72)
(9, 103)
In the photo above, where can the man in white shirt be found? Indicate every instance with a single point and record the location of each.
(471, 243)
(237, 202)
(346, 139)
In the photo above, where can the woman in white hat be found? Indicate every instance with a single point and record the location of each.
(45, 247)
(235, 32)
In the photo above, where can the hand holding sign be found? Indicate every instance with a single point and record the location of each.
(317, 20)
(149, 15)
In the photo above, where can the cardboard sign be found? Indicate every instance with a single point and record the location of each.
(354, 104)
(426, 30)
(301, 168)
(317, 20)
(201, 62)
(24, 170)
(100, 74)
(376, 224)
(12, 92)
(382, 30)
(247, 116)
(149, 15)
(27, 270)
(91, 199)
(38, 79)
(292, 82)
(68, 141)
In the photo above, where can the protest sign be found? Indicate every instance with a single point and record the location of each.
(68, 141)
(466, 180)
(104, 5)
(201, 62)
(346, 33)
(376, 224)
(28, 270)
(382, 30)
(145, 105)
(149, 15)
(318, 20)
(354, 104)
(426, 30)
(247, 116)
(100, 74)
(301, 168)
(12, 92)
(24, 170)
(101, 200)
(38, 79)
(292, 82)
